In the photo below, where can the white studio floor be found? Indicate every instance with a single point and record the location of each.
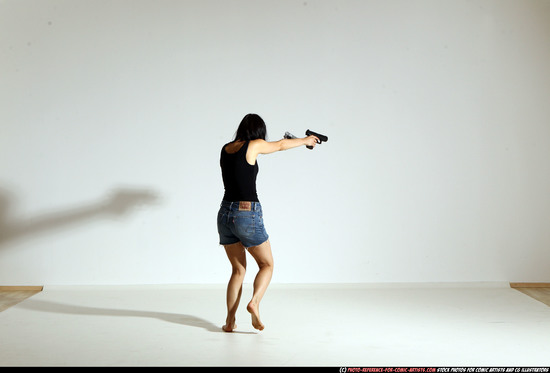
(306, 325)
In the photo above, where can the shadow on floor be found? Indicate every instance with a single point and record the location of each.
(181, 319)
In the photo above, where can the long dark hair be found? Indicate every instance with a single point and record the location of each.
(252, 127)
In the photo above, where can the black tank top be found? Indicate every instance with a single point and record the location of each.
(239, 177)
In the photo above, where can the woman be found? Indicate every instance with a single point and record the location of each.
(240, 220)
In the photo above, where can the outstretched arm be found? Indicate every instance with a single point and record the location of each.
(264, 147)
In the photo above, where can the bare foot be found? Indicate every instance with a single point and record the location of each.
(229, 326)
(255, 312)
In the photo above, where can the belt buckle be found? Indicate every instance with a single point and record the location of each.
(245, 206)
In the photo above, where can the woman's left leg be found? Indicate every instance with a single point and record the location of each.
(237, 256)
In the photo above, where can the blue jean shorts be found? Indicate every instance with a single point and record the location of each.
(241, 221)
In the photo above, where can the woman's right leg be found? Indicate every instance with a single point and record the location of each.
(263, 256)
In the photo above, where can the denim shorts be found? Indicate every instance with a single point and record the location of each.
(241, 221)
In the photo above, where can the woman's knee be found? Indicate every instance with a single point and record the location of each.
(265, 264)
(237, 257)
(262, 254)
(238, 270)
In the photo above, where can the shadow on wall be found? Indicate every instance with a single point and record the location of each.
(117, 204)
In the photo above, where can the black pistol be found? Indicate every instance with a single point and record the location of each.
(321, 138)
(318, 135)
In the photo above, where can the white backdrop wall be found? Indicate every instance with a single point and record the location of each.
(113, 114)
